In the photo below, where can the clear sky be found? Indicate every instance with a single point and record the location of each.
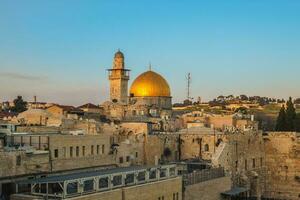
(59, 49)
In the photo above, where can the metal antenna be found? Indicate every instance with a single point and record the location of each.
(188, 78)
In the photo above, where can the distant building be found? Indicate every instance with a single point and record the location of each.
(91, 108)
(68, 111)
(38, 105)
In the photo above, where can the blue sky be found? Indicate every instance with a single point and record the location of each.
(59, 49)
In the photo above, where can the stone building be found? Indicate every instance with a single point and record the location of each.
(68, 151)
(19, 162)
(64, 110)
(150, 88)
(219, 121)
(200, 142)
(149, 96)
(91, 108)
(40, 117)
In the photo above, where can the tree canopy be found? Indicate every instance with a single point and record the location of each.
(19, 105)
(281, 121)
(287, 119)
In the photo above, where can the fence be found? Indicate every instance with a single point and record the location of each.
(203, 175)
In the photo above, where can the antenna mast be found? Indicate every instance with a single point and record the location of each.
(188, 79)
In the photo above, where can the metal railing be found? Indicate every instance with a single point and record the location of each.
(203, 175)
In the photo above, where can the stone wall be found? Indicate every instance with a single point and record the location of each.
(165, 189)
(208, 190)
(283, 165)
(241, 153)
(79, 151)
(15, 163)
(135, 127)
(155, 146)
(130, 150)
(246, 160)
(199, 145)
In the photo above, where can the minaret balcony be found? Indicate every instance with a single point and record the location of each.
(118, 74)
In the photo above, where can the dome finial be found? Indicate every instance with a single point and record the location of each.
(150, 67)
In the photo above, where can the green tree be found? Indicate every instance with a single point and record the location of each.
(242, 110)
(19, 105)
(290, 115)
(297, 123)
(281, 120)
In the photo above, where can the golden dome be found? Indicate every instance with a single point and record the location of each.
(150, 84)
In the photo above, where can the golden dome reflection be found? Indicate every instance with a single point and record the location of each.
(150, 84)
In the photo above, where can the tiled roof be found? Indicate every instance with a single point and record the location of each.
(7, 114)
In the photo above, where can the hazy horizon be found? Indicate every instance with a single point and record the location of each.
(59, 50)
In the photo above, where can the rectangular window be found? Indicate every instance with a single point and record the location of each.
(72, 188)
(71, 152)
(55, 153)
(92, 150)
(121, 160)
(172, 171)
(88, 185)
(253, 163)
(77, 151)
(152, 174)
(246, 165)
(103, 148)
(83, 150)
(136, 154)
(129, 179)
(163, 173)
(18, 160)
(261, 162)
(127, 158)
(103, 183)
(117, 180)
(141, 176)
(98, 149)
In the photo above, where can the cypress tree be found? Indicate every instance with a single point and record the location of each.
(297, 123)
(20, 105)
(290, 115)
(281, 120)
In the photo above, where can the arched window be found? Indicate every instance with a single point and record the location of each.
(206, 147)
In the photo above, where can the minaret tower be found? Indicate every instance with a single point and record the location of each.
(118, 78)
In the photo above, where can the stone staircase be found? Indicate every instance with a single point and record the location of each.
(218, 155)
